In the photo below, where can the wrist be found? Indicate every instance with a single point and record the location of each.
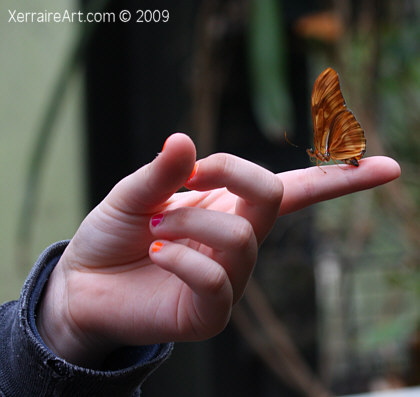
(58, 330)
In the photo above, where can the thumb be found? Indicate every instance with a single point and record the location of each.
(153, 184)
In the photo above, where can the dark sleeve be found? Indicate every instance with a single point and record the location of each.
(29, 368)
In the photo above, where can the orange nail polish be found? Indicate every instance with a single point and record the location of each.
(194, 171)
(163, 148)
(157, 246)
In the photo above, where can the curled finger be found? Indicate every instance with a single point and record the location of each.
(209, 291)
(228, 239)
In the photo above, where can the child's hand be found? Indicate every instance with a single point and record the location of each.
(149, 265)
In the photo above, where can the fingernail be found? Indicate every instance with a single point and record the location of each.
(157, 245)
(156, 219)
(163, 148)
(194, 171)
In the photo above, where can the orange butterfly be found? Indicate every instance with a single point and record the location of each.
(337, 133)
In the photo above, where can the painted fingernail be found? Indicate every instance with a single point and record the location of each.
(164, 145)
(157, 245)
(156, 219)
(194, 171)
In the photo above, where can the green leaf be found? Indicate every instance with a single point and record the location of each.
(267, 63)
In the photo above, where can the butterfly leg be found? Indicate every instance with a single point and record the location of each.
(317, 164)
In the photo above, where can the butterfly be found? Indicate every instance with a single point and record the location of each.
(337, 134)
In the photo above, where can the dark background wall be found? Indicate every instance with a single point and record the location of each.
(143, 83)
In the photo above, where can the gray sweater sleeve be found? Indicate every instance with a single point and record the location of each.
(29, 368)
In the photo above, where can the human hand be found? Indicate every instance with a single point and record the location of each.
(113, 286)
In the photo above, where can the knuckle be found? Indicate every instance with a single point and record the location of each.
(222, 162)
(217, 281)
(179, 217)
(274, 193)
(244, 236)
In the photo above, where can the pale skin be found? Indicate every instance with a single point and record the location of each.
(113, 287)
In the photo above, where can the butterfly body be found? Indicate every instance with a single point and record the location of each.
(338, 136)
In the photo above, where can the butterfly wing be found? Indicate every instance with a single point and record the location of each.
(346, 141)
(327, 101)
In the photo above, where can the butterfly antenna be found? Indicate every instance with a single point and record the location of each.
(288, 141)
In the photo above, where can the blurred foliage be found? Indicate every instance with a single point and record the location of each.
(35, 53)
(45, 132)
(267, 54)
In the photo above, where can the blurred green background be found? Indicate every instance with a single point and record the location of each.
(32, 57)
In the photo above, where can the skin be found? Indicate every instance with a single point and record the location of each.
(110, 289)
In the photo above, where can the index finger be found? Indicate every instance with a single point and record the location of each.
(257, 191)
(308, 186)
